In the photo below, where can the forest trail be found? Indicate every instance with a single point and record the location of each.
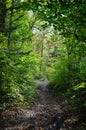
(48, 112)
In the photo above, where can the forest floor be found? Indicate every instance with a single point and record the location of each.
(50, 111)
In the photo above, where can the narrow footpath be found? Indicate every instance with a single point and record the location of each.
(48, 112)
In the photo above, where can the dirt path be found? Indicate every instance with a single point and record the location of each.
(49, 112)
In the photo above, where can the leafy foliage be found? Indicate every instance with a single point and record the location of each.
(41, 39)
(78, 95)
(59, 75)
(18, 61)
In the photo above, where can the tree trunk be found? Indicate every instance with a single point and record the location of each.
(2, 16)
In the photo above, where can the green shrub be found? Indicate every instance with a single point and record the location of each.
(78, 95)
(60, 74)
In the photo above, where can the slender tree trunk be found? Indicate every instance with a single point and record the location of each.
(2, 30)
(2, 15)
(10, 24)
(41, 57)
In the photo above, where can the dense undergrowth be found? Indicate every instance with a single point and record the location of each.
(70, 80)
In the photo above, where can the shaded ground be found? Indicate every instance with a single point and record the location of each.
(49, 112)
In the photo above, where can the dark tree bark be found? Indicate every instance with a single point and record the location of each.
(2, 16)
(10, 23)
(2, 30)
